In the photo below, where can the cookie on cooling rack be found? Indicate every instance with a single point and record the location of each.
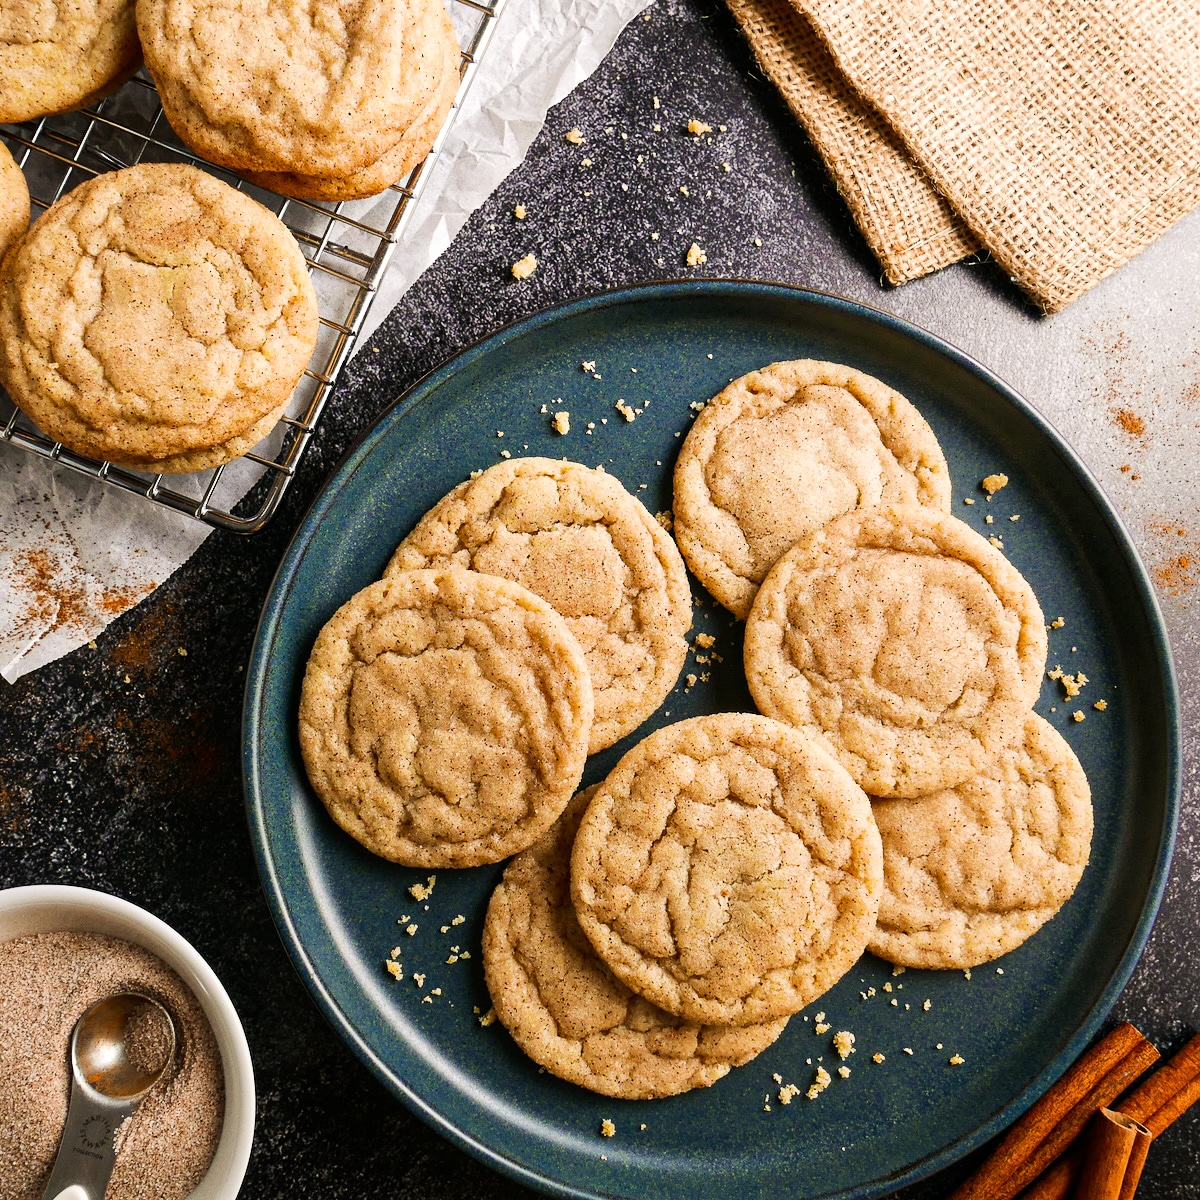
(321, 92)
(578, 539)
(57, 56)
(444, 717)
(784, 449)
(156, 318)
(395, 164)
(14, 200)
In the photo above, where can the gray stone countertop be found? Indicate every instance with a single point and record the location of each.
(135, 788)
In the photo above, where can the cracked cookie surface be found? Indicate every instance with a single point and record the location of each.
(396, 163)
(444, 717)
(156, 317)
(728, 869)
(564, 1007)
(14, 201)
(284, 85)
(783, 450)
(578, 539)
(905, 641)
(971, 872)
(57, 56)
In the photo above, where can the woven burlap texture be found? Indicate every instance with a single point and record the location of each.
(909, 227)
(1064, 133)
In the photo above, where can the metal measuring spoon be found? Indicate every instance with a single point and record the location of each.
(120, 1048)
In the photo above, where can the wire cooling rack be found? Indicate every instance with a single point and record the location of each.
(348, 247)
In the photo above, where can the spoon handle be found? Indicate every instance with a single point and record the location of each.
(85, 1153)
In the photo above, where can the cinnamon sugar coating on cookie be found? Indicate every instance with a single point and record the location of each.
(283, 85)
(728, 869)
(971, 872)
(568, 1012)
(578, 539)
(156, 317)
(904, 641)
(56, 56)
(784, 449)
(14, 201)
(444, 717)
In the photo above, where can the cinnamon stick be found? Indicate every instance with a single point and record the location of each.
(1172, 1089)
(1137, 1160)
(1156, 1102)
(1056, 1182)
(1050, 1125)
(1107, 1148)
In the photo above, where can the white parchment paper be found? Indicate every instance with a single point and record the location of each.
(74, 553)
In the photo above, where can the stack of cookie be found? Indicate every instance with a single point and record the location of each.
(538, 613)
(726, 873)
(157, 318)
(330, 102)
(897, 637)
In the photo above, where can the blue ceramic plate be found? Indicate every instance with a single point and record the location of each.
(1017, 1024)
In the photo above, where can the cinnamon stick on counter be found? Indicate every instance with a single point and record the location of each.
(1094, 1081)
(1107, 1151)
(1156, 1103)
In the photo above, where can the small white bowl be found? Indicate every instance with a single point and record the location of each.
(49, 908)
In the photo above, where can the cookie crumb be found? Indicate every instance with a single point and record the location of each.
(968, 499)
(422, 891)
(393, 968)
(843, 1043)
(607, 1128)
(844, 1072)
(488, 1018)
(574, 137)
(411, 929)
(1078, 715)
(666, 519)
(897, 970)
(524, 267)
(561, 422)
(822, 1027)
(993, 483)
(907, 1049)
(628, 413)
(927, 1005)
(1100, 705)
(695, 256)
(1057, 623)
(520, 212)
(967, 974)
(698, 128)
(957, 1060)
(819, 1084)
(878, 1057)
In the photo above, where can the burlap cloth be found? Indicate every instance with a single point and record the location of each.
(1062, 135)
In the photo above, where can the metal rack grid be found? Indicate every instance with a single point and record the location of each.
(348, 246)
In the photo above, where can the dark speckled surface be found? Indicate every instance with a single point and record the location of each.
(134, 787)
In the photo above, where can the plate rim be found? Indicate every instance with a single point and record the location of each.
(353, 460)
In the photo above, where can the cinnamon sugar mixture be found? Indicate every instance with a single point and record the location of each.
(46, 981)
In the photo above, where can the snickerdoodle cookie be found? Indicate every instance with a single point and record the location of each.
(157, 318)
(578, 539)
(781, 451)
(56, 56)
(283, 85)
(728, 869)
(396, 162)
(444, 717)
(568, 1012)
(971, 872)
(905, 641)
(14, 200)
